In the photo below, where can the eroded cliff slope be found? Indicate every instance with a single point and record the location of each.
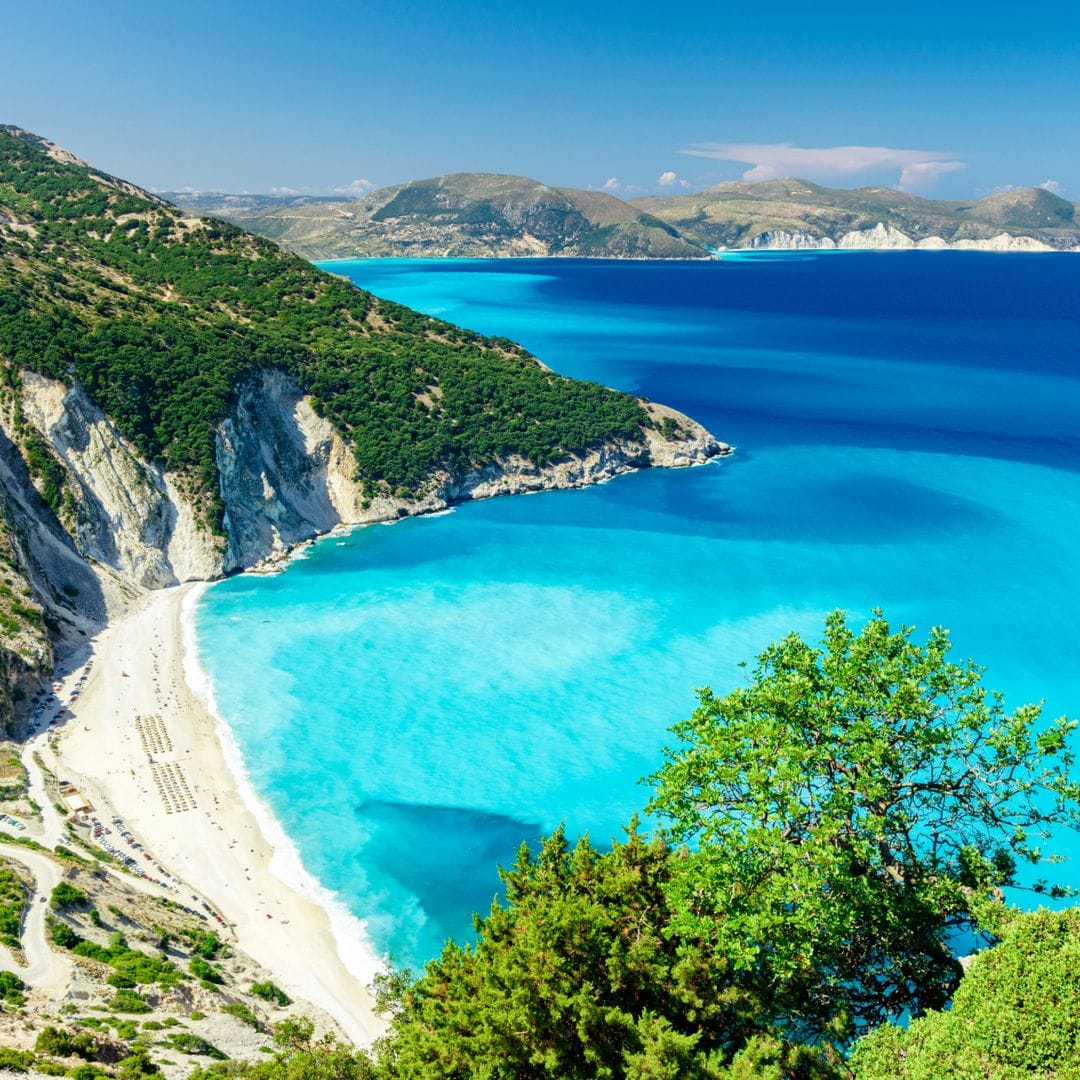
(180, 400)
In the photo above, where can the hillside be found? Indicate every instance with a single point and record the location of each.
(464, 215)
(797, 213)
(480, 214)
(222, 204)
(179, 399)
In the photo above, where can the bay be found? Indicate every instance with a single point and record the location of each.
(415, 701)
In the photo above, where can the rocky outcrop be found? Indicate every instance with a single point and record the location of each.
(286, 476)
(884, 237)
(781, 240)
(129, 515)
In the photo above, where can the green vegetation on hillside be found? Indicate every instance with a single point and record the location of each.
(14, 896)
(162, 317)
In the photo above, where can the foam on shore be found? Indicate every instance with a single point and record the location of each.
(353, 943)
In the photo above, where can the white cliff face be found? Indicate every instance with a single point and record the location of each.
(881, 236)
(781, 240)
(884, 237)
(1004, 242)
(286, 477)
(129, 516)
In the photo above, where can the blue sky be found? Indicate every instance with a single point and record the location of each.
(952, 100)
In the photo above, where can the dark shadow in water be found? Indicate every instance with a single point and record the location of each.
(445, 856)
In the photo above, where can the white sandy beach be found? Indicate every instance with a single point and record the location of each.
(218, 848)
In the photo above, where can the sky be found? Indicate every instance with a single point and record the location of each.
(947, 100)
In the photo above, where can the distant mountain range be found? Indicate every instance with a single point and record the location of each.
(219, 204)
(464, 214)
(796, 213)
(486, 214)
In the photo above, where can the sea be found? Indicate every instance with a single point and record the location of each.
(413, 702)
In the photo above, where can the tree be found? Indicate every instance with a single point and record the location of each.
(578, 975)
(1016, 1012)
(298, 1055)
(843, 812)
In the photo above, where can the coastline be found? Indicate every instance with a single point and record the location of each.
(354, 950)
(230, 850)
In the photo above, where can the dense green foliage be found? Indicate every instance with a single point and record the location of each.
(842, 812)
(61, 1042)
(11, 989)
(131, 967)
(65, 896)
(581, 973)
(1016, 1013)
(162, 317)
(14, 896)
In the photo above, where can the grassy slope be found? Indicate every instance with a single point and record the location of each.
(161, 316)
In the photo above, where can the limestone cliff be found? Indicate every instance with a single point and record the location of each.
(882, 237)
(286, 476)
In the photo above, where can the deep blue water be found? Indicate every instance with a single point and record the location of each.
(414, 701)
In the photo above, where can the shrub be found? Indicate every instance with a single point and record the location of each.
(1015, 1013)
(204, 943)
(190, 1043)
(269, 992)
(65, 896)
(85, 1071)
(128, 1001)
(202, 970)
(15, 1060)
(138, 1064)
(60, 1042)
(63, 935)
(242, 1012)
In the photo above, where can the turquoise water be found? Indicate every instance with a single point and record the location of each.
(414, 701)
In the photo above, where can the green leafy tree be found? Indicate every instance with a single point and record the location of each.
(579, 974)
(1015, 1015)
(298, 1055)
(842, 811)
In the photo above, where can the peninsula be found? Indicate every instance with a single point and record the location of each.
(180, 400)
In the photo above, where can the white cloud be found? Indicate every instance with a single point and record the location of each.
(1052, 186)
(921, 174)
(670, 178)
(283, 191)
(354, 187)
(769, 161)
(611, 184)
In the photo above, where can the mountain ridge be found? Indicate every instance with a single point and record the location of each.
(470, 214)
(501, 215)
(757, 214)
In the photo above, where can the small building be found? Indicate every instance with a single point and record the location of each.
(74, 800)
